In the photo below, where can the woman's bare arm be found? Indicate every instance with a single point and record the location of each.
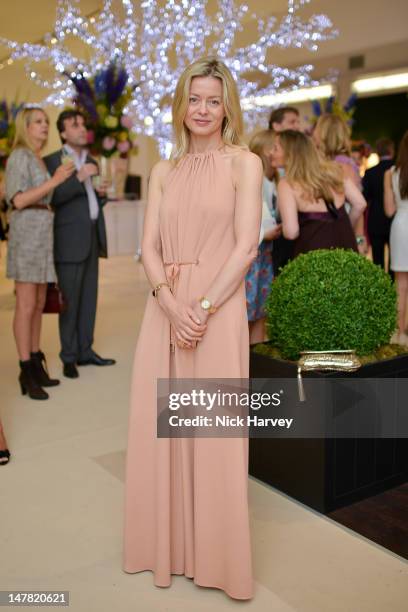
(389, 201)
(33, 195)
(36, 194)
(351, 174)
(357, 202)
(288, 210)
(358, 225)
(151, 245)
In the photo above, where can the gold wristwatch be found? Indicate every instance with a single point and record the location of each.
(206, 305)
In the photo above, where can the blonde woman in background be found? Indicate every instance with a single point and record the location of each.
(186, 509)
(30, 243)
(396, 203)
(312, 195)
(260, 275)
(332, 137)
(4, 451)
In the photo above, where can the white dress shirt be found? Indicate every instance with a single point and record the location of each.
(79, 161)
(268, 221)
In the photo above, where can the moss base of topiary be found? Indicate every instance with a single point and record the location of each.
(387, 351)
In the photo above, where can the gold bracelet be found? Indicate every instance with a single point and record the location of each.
(158, 287)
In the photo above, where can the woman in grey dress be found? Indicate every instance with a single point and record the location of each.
(396, 205)
(30, 250)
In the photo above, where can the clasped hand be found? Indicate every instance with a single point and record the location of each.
(363, 247)
(273, 233)
(189, 324)
(62, 173)
(102, 187)
(86, 171)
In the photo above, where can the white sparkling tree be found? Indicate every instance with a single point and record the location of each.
(156, 45)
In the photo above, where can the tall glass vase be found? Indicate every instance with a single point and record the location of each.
(114, 170)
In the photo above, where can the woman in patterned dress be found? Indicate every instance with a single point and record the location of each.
(260, 275)
(30, 248)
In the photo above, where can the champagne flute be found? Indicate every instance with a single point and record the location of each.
(66, 158)
(96, 181)
(106, 178)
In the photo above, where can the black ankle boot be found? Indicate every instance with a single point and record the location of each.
(40, 370)
(28, 382)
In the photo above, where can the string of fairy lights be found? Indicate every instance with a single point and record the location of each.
(158, 41)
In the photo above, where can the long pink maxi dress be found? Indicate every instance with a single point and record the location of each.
(186, 505)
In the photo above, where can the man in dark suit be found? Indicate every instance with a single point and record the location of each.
(378, 224)
(79, 239)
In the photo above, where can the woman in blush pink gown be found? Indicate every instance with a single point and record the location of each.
(186, 507)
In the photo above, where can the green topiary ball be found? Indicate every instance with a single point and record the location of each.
(331, 299)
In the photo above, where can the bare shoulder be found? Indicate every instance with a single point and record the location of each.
(161, 170)
(244, 158)
(348, 172)
(245, 163)
(285, 186)
(283, 182)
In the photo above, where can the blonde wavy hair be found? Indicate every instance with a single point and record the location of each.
(23, 120)
(334, 136)
(233, 124)
(317, 177)
(258, 144)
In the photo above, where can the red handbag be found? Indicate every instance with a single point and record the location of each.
(55, 302)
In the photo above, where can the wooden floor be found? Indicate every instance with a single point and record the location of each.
(382, 518)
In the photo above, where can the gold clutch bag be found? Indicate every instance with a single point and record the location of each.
(324, 361)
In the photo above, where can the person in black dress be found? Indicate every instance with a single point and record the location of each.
(378, 224)
(311, 198)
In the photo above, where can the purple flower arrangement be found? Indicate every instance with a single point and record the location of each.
(8, 113)
(102, 99)
(333, 106)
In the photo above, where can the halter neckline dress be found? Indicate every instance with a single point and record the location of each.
(186, 505)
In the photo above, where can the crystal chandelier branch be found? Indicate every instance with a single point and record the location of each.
(155, 49)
